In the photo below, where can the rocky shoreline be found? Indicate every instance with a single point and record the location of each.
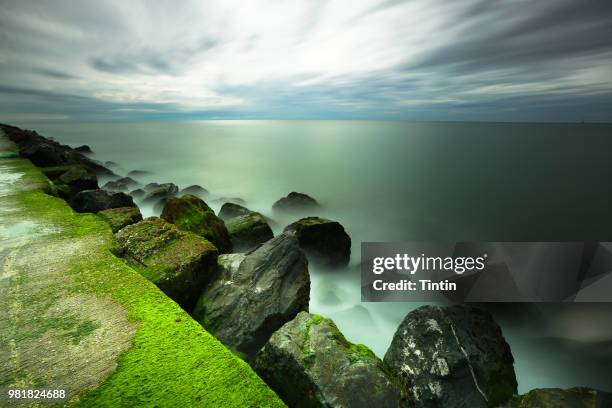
(251, 291)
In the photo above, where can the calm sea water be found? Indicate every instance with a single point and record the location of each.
(395, 181)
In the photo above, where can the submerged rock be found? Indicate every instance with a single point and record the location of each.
(122, 184)
(190, 213)
(452, 357)
(255, 294)
(309, 363)
(248, 231)
(578, 397)
(155, 194)
(195, 190)
(119, 218)
(295, 202)
(94, 201)
(231, 210)
(179, 263)
(324, 241)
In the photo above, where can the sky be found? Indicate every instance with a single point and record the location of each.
(489, 60)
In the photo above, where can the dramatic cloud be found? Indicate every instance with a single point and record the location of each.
(413, 59)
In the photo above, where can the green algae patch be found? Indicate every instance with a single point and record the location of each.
(79, 318)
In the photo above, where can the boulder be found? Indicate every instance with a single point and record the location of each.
(77, 178)
(94, 201)
(179, 263)
(190, 213)
(248, 231)
(235, 200)
(137, 194)
(150, 186)
(578, 397)
(118, 218)
(231, 210)
(122, 184)
(155, 194)
(309, 363)
(83, 149)
(195, 190)
(324, 241)
(295, 202)
(110, 163)
(255, 294)
(452, 357)
(138, 173)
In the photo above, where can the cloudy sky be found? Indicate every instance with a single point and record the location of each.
(546, 60)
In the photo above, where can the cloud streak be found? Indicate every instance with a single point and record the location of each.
(415, 59)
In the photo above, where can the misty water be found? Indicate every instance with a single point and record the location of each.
(401, 181)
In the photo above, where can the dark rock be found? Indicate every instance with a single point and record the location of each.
(255, 294)
(94, 201)
(119, 218)
(179, 263)
(83, 149)
(122, 184)
(248, 231)
(309, 363)
(137, 194)
(190, 213)
(161, 191)
(295, 202)
(324, 241)
(138, 173)
(234, 200)
(452, 357)
(109, 163)
(195, 190)
(231, 210)
(77, 178)
(150, 186)
(578, 397)
(54, 172)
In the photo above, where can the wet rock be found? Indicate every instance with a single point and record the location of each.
(77, 178)
(94, 201)
(83, 149)
(231, 210)
(195, 190)
(248, 231)
(138, 173)
(452, 357)
(164, 190)
(309, 363)
(122, 184)
(295, 202)
(179, 263)
(137, 194)
(255, 294)
(119, 218)
(150, 187)
(190, 213)
(235, 200)
(110, 163)
(324, 241)
(578, 397)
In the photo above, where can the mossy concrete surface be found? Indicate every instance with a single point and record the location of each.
(75, 317)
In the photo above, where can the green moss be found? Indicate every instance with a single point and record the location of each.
(173, 361)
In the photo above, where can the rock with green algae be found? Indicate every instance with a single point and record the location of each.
(119, 218)
(79, 304)
(248, 231)
(309, 363)
(254, 294)
(192, 214)
(578, 397)
(180, 263)
(452, 357)
(77, 179)
(231, 210)
(94, 201)
(324, 241)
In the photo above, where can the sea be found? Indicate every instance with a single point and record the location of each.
(403, 181)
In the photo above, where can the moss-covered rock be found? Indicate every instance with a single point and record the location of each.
(190, 213)
(452, 357)
(556, 398)
(94, 201)
(248, 231)
(180, 263)
(76, 179)
(195, 190)
(295, 202)
(324, 241)
(255, 294)
(118, 218)
(231, 210)
(309, 363)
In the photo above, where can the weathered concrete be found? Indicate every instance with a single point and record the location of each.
(75, 317)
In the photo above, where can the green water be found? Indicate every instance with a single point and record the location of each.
(394, 181)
